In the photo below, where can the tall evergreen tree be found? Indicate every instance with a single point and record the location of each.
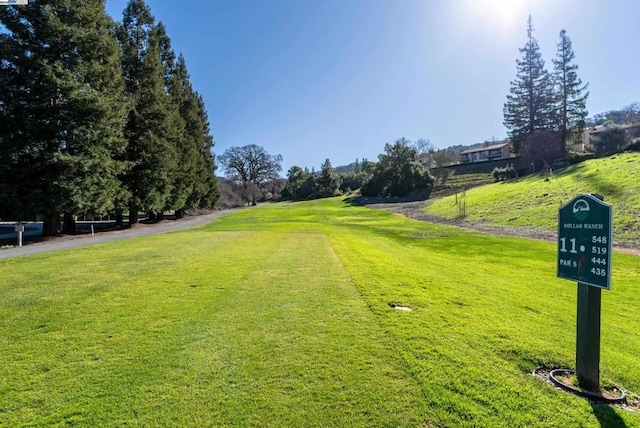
(529, 104)
(195, 184)
(133, 36)
(167, 55)
(188, 145)
(329, 181)
(571, 94)
(178, 139)
(61, 109)
(206, 192)
(152, 128)
(151, 132)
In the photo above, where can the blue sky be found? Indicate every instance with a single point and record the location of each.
(337, 79)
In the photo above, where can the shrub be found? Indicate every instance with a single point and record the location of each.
(610, 141)
(354, 180)
(397, 172)
(506, 173)
(230, 194)
(575, 157)
(634, 146)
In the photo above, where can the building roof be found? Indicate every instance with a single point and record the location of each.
(601, 128)
(482, 149)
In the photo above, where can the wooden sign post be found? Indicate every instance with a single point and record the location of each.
(584, 255)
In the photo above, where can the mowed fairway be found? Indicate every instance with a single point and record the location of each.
(281, 316)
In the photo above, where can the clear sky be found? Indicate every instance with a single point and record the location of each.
(337, 79)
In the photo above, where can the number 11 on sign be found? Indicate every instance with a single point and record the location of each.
(563, 245)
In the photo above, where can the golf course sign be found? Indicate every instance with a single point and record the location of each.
(584, 241)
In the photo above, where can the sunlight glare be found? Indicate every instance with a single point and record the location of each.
(502, 17)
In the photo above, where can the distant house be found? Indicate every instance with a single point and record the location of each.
(591, 133)
(484, 154)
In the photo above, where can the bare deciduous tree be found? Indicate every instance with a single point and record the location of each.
(252, 167)
(444, 157)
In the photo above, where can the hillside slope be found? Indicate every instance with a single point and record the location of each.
(532, 202)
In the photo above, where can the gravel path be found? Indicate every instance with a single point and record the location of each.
(66, 241)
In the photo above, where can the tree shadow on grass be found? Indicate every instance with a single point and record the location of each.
(607, 416)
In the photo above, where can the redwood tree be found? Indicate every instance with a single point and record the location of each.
(529, 105)
(61, 111)
(571, 94)
(152, 127)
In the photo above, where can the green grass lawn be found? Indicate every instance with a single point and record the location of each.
(533, 201)
(281, 316)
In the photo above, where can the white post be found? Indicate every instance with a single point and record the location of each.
(20, 229)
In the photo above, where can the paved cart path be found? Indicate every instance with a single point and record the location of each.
(67, 241)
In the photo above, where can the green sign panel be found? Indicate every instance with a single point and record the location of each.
(584, 241)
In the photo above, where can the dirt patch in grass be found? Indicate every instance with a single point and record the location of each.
(632, 402)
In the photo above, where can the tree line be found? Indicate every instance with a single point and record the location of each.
(397, 173)
(254, 174)
(97, 117)
(628, 114)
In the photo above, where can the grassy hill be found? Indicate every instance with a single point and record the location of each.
(455, 183)
(533, 202)
(283, 316)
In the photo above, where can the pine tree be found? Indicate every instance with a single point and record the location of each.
(571, 94)
(62, 111)
(329, 181)
(529, 105)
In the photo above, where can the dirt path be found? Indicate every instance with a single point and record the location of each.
(72, 241)
(414, 210)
